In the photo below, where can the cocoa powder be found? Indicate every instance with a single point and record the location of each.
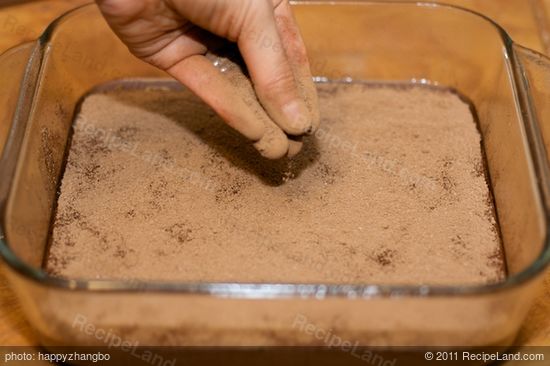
(390, 190)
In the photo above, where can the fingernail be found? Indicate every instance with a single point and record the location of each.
(298, 118)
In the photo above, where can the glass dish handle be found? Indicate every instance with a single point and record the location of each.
(16, 81)
(533, 70)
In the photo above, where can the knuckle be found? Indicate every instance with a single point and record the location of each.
(234, 24)
(239, 19)
(281, 85)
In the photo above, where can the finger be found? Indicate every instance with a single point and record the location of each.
(234, 100)
(271, 72)
(295, 145)
(274, 144)
(295, 50)
(204, 79)
(174, 47)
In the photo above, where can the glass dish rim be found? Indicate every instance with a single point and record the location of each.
(297, 290)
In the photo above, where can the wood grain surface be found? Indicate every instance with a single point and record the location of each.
(526, 20)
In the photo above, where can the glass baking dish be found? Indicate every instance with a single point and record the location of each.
(508, 85)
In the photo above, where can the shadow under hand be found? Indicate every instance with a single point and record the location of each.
(182, 106)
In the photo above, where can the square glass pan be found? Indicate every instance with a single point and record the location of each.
(42, 83)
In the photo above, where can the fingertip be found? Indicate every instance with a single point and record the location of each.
(294, 147)
(254, 131)
(274, 145)
(296, 117)
(315, 119)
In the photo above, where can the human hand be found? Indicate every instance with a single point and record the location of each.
(177, 36)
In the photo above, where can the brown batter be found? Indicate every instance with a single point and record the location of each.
(390, 190)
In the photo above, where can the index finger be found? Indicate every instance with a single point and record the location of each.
(274, 80)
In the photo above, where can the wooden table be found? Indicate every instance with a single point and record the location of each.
(526, 20)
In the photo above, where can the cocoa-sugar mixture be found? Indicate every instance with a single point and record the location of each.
(390, 190)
